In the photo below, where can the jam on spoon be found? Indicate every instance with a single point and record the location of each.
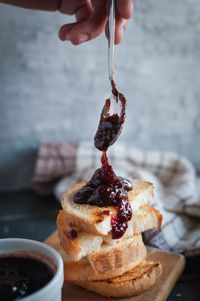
(110, 126)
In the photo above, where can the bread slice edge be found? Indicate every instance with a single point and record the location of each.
(94, 219)
(146, 276)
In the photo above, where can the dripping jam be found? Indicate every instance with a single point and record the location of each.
(105, 188)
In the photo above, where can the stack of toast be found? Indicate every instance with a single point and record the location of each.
(93, 260)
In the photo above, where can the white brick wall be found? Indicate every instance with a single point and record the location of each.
(50, 90)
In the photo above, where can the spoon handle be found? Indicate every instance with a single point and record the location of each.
(111, 24)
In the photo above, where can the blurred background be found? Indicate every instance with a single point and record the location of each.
(54, 91)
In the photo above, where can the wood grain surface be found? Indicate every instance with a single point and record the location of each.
(173, 265)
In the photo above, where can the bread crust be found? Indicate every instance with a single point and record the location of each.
(107, 264)
(144, 219)
(70, 245)
(78, 247)
(92, 218)
(120, 255)
(159, 216)
(132, 283)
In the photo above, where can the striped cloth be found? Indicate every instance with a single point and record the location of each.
(174, 178)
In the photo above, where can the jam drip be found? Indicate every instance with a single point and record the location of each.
(105, 188)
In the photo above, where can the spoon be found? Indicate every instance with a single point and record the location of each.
(114, 111)
(115, 106)
(111, 25)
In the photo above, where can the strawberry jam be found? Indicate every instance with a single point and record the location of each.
(105, 188)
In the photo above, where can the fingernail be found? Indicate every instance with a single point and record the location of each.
(122, 30)
(121, 33)
(132, 6)
(83, 37)
(123, 27)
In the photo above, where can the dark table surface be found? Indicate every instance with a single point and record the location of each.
(27, 215)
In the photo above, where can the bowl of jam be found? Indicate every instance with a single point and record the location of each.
(29, 271)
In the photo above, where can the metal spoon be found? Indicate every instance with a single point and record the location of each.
(111, 24)
(114, 111)
(112, 104)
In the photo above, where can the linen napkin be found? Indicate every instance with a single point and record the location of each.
(176, 186)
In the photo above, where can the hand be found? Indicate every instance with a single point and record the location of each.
(91, 19)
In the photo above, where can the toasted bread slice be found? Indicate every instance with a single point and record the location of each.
(84, 244)
(132, 283)
(93, 219)
(108, 263)
(118, 256)
(79, 247)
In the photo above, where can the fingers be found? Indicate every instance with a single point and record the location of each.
(120, 27)
(91, 18)
(81, 32)
(70, 7)
(65, 31)
(123, 13)
(86, 29)
(125, 8)
(82, 14)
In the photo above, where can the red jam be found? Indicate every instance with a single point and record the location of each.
(106, 212)
(110, 126)
(105, 188)
(108, 131)
(20, 277)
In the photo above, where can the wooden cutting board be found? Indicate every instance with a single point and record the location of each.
(173, 265)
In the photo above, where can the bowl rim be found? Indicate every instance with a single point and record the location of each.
(58, 277)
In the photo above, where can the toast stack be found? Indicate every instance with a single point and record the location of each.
(93, 260)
